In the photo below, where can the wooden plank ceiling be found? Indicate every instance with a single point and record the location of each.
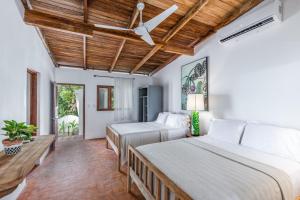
(91, 49)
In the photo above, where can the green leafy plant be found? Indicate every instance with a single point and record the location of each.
(27, 133)
(73, 126)
(62, 127)
(18, 131)
(67, 100)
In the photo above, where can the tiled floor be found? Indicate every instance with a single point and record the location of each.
(78, 169)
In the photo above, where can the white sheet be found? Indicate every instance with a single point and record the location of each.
(137, 134)
(205, 170)
(291, 168)
(128, 128)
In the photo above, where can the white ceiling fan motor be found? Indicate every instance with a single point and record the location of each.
(140, 6)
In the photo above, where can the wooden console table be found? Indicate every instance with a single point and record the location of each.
(14, 169)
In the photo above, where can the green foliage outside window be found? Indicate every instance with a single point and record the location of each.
(68, 129)
(67, 100)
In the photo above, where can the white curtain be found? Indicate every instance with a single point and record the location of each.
(123, 100)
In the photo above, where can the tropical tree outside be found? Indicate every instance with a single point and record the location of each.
(67, 109)
(67, 100)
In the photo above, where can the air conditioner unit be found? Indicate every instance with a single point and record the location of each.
(266, 14)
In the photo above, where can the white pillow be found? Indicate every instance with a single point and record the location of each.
(162, 117)
(183, 121)
(171, 121)
(177, 121)
(282, 142)
(227, 130)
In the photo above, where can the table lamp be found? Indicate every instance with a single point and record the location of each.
(195, 102)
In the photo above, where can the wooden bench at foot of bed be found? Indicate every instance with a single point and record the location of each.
(152, 183)
(113, 139)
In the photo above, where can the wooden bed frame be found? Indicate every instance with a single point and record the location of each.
(113, 139)
(144, 174)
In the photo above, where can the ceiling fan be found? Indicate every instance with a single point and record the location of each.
(144, 29)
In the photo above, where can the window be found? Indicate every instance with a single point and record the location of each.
(105, 98)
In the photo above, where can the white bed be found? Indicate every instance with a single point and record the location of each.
(235, 161)
(166, 127)
(291, 168)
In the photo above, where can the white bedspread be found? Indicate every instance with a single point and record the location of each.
(213, 170)
(291, 168)
(128, 128)
(142, 133)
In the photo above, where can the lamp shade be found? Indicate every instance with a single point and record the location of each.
(195, 102)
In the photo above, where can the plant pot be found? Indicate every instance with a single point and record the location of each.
(12, 147)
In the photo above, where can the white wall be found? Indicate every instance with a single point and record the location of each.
(96, 121)
(79, 101)
(255, 79)
(21, 48)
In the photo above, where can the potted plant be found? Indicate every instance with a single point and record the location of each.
(26, 134)
(16, 133)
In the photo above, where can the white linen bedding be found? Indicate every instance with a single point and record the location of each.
(291, 168)
(127, 128)
(209, 169)
(142, 133)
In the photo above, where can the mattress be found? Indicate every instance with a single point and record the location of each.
(209, 169)
(137, 134)
(129, 128)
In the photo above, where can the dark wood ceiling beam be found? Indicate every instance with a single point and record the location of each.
(180, 50)
(209, 33)
(164, 65)
(85, 11)
(183, 21)
(147, 57)
(52, 22)
(47, 21)
(117, 55)
(132, 21)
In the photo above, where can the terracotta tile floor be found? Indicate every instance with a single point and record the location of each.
(78, 169)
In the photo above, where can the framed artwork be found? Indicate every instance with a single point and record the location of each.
(194, 80)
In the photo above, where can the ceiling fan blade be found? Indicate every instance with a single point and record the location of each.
(147, 38)
(112, 27)
(154, 22)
